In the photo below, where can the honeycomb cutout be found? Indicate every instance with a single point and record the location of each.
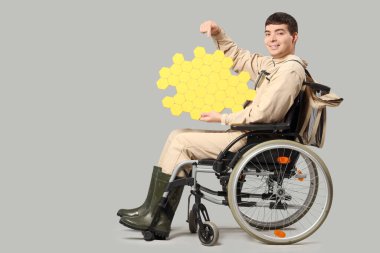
(204, 84)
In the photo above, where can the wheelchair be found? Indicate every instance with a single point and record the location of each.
(278, 190)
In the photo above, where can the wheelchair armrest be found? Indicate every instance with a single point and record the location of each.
(261, 127)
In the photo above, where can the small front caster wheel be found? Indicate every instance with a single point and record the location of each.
(208, 234)
(148, 235)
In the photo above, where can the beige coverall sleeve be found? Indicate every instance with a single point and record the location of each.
(243, 59)
(273, 103)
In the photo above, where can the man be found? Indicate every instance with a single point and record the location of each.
(274, 96)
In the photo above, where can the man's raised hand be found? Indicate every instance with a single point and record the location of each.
(209, 27)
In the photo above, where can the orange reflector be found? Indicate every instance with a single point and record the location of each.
(283, 159)
(299, 172)
(279, 233)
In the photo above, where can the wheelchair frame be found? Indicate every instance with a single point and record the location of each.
(257, 134)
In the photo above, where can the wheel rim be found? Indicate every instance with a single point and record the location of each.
(209, 234)
(284, 221)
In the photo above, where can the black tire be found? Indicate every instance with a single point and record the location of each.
(148, 235)
(193, 225)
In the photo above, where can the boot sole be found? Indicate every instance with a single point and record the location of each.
(159, 235)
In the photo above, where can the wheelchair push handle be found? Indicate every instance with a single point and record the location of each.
(318, 87)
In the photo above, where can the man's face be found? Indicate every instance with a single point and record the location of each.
(279, 41)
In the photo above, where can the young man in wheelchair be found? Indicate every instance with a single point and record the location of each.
(280, 79)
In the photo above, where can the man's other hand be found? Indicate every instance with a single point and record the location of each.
(210, 28)
(211, 117)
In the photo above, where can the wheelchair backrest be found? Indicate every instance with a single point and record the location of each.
(293, 114)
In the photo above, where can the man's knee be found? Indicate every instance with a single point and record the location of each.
(173, 134)
(183, 139)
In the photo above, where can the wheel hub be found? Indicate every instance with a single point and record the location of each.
(281, 192)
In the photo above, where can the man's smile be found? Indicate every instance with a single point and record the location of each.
(274, 47)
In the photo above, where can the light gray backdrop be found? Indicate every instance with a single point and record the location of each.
(81, 121)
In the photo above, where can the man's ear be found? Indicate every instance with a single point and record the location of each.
(295, 37)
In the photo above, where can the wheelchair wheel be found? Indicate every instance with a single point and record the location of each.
(193, 225)
(148, 236)
(280, 192)
(209, 234)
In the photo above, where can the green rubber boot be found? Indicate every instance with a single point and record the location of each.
(162, 227)
(141, 209)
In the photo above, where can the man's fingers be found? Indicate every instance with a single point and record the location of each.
(206, 28)
(203, 118)
(203, 28)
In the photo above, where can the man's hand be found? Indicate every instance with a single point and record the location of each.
(211, 117)
(210, 28)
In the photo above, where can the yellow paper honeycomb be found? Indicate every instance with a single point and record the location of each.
(204, 84)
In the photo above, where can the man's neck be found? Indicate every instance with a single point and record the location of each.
(280, 59)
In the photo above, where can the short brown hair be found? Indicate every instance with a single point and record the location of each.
(279, 18)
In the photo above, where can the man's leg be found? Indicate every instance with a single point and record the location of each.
(181, 145)
(170, 138)
(191, 144)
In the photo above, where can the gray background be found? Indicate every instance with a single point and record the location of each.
(81, 121)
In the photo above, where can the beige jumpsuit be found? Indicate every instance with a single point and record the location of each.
(273, 99)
